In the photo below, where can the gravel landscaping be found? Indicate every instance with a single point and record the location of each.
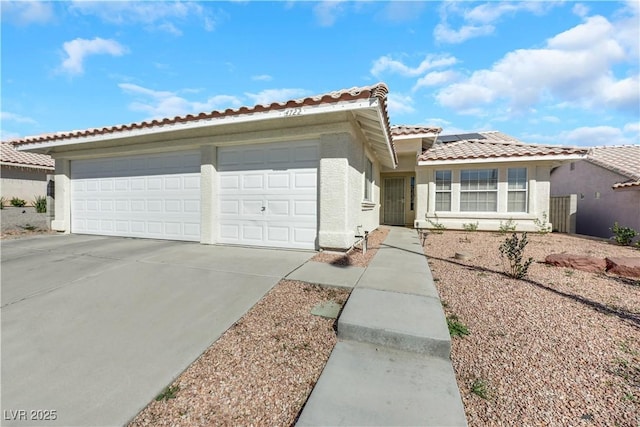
(559, 348)
(17, 222)
(261, 371)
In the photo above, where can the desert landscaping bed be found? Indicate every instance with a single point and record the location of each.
(262, 369)
(559, 348)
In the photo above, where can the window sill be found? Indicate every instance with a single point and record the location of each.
(367, 205)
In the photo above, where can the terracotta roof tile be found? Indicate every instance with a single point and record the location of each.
(398, 130)
(489, 145)
(12, 157)
(378, 90)
(621, 159)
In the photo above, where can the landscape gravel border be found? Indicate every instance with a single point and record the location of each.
(561, 347)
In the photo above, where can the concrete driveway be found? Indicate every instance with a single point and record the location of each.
(94, 328)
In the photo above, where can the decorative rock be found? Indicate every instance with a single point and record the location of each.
(463, 256)
(578, 262)
(624, 266)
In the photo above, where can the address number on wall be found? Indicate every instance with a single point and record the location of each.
(293, 112)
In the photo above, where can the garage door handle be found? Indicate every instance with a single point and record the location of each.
(263, 208)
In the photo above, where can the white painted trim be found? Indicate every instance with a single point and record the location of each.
(242, 118)
(550, 157)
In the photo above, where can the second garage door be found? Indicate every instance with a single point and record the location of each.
(268, 194)
(153, 196)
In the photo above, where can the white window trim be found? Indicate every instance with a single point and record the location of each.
(449, 191)
(368, 182)
(496, 190)
(525, 190)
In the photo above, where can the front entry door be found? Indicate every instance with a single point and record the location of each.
(394, 201)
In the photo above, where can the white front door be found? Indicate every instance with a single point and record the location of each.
(268, 194)
(153, 196)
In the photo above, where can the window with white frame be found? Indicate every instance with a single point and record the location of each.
(368, 180)
(517, 192)
(443, 190)
(479, 190)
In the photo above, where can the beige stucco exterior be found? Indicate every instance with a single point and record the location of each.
(23, 183)
(538, 191)
(599, 206)
(343, 214)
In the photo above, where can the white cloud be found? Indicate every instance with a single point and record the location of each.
(262, 78)
(401, 11)
(575, 66)
(160, 104)
(580, 10)
(633, 127)
(479, 20)
(436, 78)
(27, 12)
(77, 50)
(326, 12)
(269, 96)
(399, 104)
(157, 15)
(388, 64)
(444, 33)
(595, 135)
(17, 118)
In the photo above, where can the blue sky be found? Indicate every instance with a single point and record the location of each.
(556, 72)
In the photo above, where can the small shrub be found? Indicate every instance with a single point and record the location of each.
(456, 328)
(480, 388)
(543, 224)
(513, 249)
(40, 203)
(18, 203)
(169, 392)
(623, 235)
(3, 201)
(438, 227)
(507, 227)
(471, 226)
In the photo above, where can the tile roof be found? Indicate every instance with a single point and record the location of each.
(401, 130)
(11, 157)
(379, 91)
(621, 159)
(490, 145)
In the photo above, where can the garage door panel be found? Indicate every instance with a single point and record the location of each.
(154, 196)
(268, 194)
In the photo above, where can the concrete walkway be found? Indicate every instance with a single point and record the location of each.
(392, 363)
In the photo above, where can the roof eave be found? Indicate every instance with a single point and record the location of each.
(27, 166)
(540, 158)
(344, 105)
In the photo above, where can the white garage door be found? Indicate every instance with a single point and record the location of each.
(154, 196)
(268, 195)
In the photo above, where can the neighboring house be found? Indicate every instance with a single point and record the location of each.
(23, 175)
(607, 185)
(299, 174)
(485, 179)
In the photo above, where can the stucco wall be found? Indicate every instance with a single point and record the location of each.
(599, 206)
(23, 183)
(341, 211)
(341, 179)
(537, 201)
